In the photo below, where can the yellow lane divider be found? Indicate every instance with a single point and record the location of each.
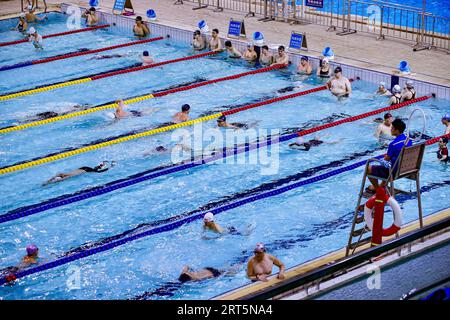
(107, 143)
(74, 114)
(46, 88)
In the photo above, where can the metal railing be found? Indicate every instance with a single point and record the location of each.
(375, 17)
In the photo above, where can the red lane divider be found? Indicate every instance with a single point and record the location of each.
(289, 96)
(4, 44)
(114, 73)
(361, 116)
(434, 140)
(204, 83)
(76, 54)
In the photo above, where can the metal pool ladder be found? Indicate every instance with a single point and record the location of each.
(409, 163)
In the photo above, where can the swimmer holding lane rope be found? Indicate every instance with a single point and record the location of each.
(102, 167)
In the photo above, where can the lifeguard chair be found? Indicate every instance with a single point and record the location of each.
(409, 163)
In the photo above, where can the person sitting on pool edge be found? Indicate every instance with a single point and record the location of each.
(22, 25)
(211, 225)
(140, 29)
(250, 54)
(339, 85)
(222, 123)
(304, 67)
(390, 158)
(232, 51)
(198, 43)
(442, 153)
(281, 57)
(102, 167)
(91, 17)
(266, 58)
(261, 264)
(183, 115)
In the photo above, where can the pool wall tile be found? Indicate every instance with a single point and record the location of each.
(125, 24)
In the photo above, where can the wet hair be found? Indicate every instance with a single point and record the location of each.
(185, 107)
(265, 47)
(160, 148)
(184, 278)
(281, 48)
(228, 43)
(337, 69)
(399, 125)
(138, 18)
(145, 53)
(197, 32)
(387, 116)
(216, 30)
(444, 140)
(221, 119)
(91, 9)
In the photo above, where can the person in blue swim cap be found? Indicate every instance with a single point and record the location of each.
(446, 122)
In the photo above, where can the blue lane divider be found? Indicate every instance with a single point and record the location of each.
(17, 65)
(177, 224)
(20, 214)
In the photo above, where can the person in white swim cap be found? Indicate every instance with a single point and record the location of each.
(35, 38)
(22, 25)
(260, 266)
(382, 90)
(408, 93)
(209, 224)
(396, 95)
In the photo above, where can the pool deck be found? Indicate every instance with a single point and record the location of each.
(359, 50)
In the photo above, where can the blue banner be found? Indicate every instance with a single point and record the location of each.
(314, 3)
(296, 41)
(235, 28)
(119, 5)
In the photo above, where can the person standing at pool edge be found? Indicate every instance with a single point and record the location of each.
(281, 57)
(261, 264)
(304, 67)
(266, 58)
(339, 85)
(198, 43)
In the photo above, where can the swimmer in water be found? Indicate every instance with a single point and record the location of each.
(339, 85)
(140, 29)
(266, 58)
(304, 67)
(324, 71)
(146, 59)
(382, 91)
(396, 95)
(301, 144)
(91, 17)
(188, 274)
(30, 16)
(442, 153)
(22, 25)
(214, 43)
(183, 115)
(31, 257)
(281, 57)
(232, 51)
(120, 113)
(108, 56)
(163, 150)
(210, 225)
(198, 42)
(384, 129)
(408, 93)
(260, 266)
(222, 123)
(446, 122)
(35, 38)
(102, 167)
(250, 54)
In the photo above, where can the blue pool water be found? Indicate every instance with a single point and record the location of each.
(296, 226)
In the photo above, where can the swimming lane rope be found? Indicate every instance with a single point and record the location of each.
(76, 54)
(32, 163)
(177, 224)
(4, 44)
(101, 76)
(136, 99)
(135, 180)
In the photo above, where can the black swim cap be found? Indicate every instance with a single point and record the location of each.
(184, 278)
(337, 69)
(160, 148)
(145, 53)
(185, 107)
(222, 119)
